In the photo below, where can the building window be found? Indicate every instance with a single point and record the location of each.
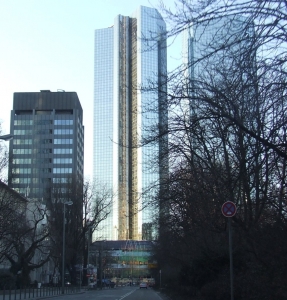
(62, 170)
(23, 122)
(63, 151)
(63, 131)
(22, 141)
(22, 151)
(22, 161)
(22, 131)
(21, 180)
(21, 170)
(42, 160)
(63, 122)
(61, 180)
(62, 160)
(63, 141)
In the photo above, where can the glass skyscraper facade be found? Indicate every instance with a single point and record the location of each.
(217, 44)
(48, 142)
(129, 54)
(216, 51)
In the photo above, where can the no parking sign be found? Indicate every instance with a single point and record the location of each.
(228, 209)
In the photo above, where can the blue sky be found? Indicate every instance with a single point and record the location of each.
(49, 44)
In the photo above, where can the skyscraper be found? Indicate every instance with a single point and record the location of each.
(48, 143)
(218, 47)
(218, 58)
(128, 54)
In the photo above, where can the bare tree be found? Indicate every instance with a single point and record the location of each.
(4, 158)
(91, 205)
(227, 141)
(27, 242)
(11, 205)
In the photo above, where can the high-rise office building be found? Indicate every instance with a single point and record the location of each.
(219, 63)
(48, 142)
(216, 54)
(128, 54)
(218, 47)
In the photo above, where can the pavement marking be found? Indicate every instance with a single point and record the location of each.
(124, 296)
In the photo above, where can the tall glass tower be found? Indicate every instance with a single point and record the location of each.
(218, 46)
(129, 54)
(48, 142)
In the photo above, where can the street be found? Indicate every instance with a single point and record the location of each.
(119, 293)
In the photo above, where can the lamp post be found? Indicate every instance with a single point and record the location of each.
(101, 263)
(118, 272)
(63, 254)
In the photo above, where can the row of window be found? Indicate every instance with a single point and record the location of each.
(21, 170)
(63, 122)
(30, 192)
(43, 122)
(35, 151)
(63, 131)
(23, 131)
(63, 141)
(22, 142)
(61, 180)
(21, 180)
(30, 180)
(62, 170)
(22, 161)
(27, 180)
(43, 170)
(42, 141)
(63, 151)
(23, 122)
(42, 160)
(22, 151)
(62, 160)
(42, 131)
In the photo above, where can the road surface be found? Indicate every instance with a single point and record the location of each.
(118, 293)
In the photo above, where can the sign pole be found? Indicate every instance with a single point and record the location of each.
(230, 258)
(160, 279)
(229, 210)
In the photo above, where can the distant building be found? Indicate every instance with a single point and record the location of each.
(48, 142)
(129, 54)
(214, 51)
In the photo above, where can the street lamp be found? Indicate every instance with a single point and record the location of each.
(63, 254)
(6, 137)
(118, 272)
(101, 263)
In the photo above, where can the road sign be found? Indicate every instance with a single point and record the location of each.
(228, 209)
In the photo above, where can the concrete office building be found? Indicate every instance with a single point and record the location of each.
(48, 143)
(130, 53)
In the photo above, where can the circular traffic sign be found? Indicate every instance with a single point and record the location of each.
(228, 209)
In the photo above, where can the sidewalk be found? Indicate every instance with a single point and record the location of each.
(40, 293)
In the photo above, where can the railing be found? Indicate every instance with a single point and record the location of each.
(32, 292)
